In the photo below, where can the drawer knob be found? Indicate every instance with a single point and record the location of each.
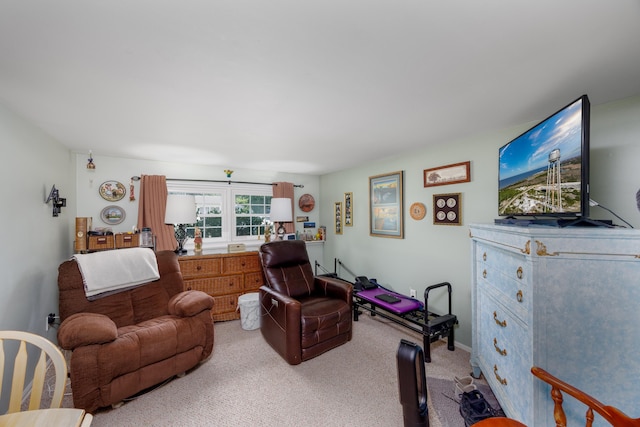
(501, 351)
(198, 267)
(519, 272)
(501, 380)
(502, 323)
(484, 274)
(519, 295)
(484, 256)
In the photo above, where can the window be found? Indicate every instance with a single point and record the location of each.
(226, 213)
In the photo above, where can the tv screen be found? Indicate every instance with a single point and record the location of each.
(545, 171)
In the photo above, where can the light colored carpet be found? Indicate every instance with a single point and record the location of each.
(246, 383)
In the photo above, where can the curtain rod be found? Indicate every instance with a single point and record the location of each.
(137, 178)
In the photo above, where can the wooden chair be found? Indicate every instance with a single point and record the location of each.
(40, 348)
(612, 415)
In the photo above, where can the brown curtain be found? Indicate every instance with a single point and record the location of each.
(151, 207)
(285, 189)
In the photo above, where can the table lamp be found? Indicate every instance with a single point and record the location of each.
(281, 212)
(180, 211)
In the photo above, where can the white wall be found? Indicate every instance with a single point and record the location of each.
(430, 254)
(90, 203)
(34, 243)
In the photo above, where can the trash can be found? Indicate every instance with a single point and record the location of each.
(249, 305)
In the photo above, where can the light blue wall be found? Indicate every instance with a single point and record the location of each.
(34, 243)
(429, 253)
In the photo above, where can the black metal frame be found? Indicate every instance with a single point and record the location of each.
(430, 325)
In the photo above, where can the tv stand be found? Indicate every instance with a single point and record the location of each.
(554, 222)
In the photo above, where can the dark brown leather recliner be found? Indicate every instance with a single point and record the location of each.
(302, 315)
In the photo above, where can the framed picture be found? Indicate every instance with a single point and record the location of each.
(447, 209)
(112, 191)
(385, 205)
(348, 209)
(449, 174)
(338, 217)
(112, 215)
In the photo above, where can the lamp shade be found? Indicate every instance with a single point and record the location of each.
(181, 209)
(281, 210)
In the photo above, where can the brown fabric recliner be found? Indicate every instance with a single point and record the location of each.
(129, 341)
(302, 315)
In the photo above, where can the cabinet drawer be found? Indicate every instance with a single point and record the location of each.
(508, 264)
(506, 353)
(199, 267)
(238, 264)
(216, 285)
(518, 293)
(225, 304)
(125, 240)
(100, 243)
(253, 281)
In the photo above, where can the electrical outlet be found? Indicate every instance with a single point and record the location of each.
(51, 318)
(413, 293)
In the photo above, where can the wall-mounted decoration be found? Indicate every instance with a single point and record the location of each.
(306, 203)
(417, 211)
(449, 174)
(447, 209)
(338, 217)
(112, 191)
(58, 202)
(90, 164)
(302, 218)
(348, 209)
(112, 215)
(385, 205)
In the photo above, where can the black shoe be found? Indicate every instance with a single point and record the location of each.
(474, 408)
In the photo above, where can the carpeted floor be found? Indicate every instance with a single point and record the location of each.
(245, 382)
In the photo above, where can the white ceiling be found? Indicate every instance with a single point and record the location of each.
(304, 86)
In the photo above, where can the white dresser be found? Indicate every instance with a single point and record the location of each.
(564, 299)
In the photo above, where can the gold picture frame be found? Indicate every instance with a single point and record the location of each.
(337, 209)
(348, 209)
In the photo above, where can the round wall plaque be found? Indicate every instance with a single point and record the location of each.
(306, 202)
(417, 211)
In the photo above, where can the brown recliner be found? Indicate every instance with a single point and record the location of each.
(302, 315)
(127, 342)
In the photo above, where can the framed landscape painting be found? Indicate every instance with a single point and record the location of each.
(385, 205)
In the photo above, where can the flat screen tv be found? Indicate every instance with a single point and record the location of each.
(544, 172)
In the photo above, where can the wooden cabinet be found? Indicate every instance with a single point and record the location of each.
(563, 299)
(223, 276)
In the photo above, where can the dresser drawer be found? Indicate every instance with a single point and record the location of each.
(237, 264)
(508, 264)
(224, 304)
(517, 293)
(216, 285)
(199, 267)
(253, 281)
(506, 353)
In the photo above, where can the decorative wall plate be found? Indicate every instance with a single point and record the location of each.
(306, 202)
(417, 211)
(112, 191)
(112, 215)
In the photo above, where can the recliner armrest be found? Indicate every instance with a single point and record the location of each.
(337, 288)
(82, 329)
(190, 303)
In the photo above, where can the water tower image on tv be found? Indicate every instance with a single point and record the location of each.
(541, 170)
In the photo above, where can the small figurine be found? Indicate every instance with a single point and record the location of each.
(197, 242)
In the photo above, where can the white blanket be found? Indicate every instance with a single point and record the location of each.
(108, 272)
